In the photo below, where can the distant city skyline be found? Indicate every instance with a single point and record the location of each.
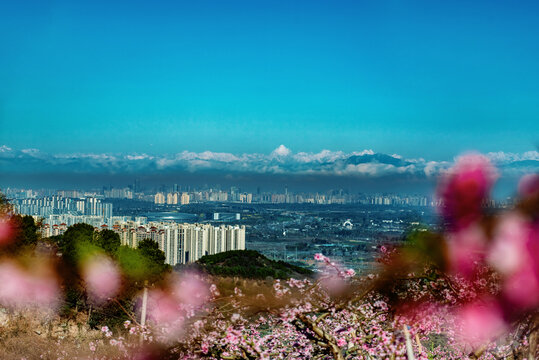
(420, 79)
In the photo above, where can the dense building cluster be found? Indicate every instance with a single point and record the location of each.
(183, 243)
(57, 205)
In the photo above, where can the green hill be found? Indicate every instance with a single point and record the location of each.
(250, 264)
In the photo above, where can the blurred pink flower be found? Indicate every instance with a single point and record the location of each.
(466, 248)
(522, 287)
(162, 308)
(164, 311)
(514, 254)
(509, 247)
(334, 284)
(529, 185)
(464, 188)
(6, 231)
(479, 323)
(102, 278)
(20, 288)
(190, 289)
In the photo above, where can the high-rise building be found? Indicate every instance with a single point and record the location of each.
(183, 243)
(159, 198)
(184, 199)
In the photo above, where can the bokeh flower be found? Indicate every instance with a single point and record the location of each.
(102, 278)
(464, 187)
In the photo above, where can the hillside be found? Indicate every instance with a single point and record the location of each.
(250, 264)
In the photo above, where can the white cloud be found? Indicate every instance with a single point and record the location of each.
(138, 157)
(501, 157)
(280, 151)
(322, 156)
(279, 161)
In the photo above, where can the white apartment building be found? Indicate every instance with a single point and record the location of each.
(183, 243)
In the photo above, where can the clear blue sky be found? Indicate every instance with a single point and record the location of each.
(418, 78)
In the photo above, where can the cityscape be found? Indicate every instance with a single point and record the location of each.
(287, 226)
(269, 180)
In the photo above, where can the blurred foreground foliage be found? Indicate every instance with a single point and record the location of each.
(78, 244)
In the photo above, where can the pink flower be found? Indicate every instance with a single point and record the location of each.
(514, 254)
(214, 291)
(529, 185)
(479, 323)
(466, 248)
(464, 188)
(162, 307)
(319, 257)
(333, 284)
(341, 342)
(190, 289)
(232, 336)
(509, 248)
(102, 278)
(21, 288)
(6, 231)
(522, 287)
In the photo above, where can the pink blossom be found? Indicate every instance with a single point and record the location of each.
(509, 248)
(6, 231)
(464, 188)
(190, 289)
(529, 185)
(341, 342)
(102, 278)
(21, 288)
(333, 284)
(466, 248)
(319, 257)
(214, 291)
(479, 323)
(522, 287)
(162, 307)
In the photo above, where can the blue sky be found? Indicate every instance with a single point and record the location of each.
(419, 78)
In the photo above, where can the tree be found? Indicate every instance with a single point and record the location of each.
(27, 230)
(74, 236)
(108, 240)
(149, 249)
